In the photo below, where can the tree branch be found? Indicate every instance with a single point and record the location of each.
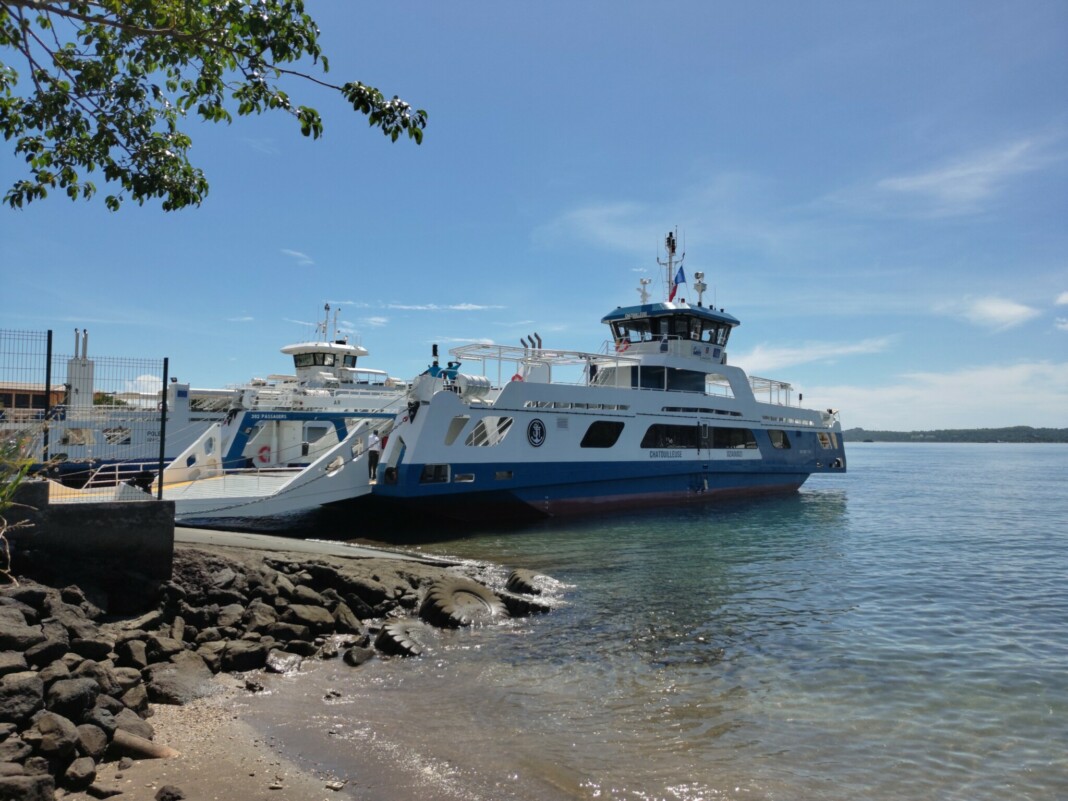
(51, 8)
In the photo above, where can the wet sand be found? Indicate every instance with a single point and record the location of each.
(221, 758)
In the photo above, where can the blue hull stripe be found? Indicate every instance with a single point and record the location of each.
(573, 488)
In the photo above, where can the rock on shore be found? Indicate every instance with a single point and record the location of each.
(77, 686)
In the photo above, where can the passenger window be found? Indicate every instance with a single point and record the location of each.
(602, 434)
(779, 438)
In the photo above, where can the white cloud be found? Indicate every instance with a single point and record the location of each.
(997, 314)
(763, 358)
(1061, 324)
(436, 307)
(735, 209)
(266, 146)
(620, 226)
(240, 319)
(1033, 393)
(1062, 299)
(302, 259)
(356, 304)
(375, 322)
(144, 385)
(462, 341)
(962, 186)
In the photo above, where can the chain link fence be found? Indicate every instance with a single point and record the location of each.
(84, 421)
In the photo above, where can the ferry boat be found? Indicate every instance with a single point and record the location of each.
(289, 444)
(85, 442)
(264, 470)
(656, 416)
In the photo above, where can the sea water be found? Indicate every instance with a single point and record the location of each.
(897, 632)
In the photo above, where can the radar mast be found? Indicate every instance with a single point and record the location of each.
(670, 244)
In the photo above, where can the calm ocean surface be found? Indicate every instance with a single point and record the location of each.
(899, 632)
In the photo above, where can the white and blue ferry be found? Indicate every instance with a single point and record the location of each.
(657, 416)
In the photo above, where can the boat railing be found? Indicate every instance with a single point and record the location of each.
(270, 397)
(779, 393)
(544, 365)
(138, 473)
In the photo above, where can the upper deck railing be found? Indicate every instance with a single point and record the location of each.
(510, 359)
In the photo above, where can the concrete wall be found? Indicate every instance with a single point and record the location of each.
(123, 539)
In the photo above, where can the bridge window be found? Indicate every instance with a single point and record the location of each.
(779, 439)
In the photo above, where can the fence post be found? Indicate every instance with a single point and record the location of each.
(163, 427)
(48, 399)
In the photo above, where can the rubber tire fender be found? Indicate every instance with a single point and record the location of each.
(405, 637)
(522, 581)
(454, 602)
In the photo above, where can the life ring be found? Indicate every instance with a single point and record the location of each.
(264, 454)
(517, 377)
(622, 345)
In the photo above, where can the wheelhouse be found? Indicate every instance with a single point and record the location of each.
(323, 359)
(663, 322)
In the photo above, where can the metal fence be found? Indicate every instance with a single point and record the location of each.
(83, 420)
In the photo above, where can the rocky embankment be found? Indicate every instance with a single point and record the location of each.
(77, 686)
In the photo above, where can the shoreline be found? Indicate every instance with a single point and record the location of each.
(354, 592)
(220, 756)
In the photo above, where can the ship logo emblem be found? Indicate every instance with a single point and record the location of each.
(536, 433)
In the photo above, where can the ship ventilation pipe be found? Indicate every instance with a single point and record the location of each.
(526, 345)
(77, 343)
(538, 338)
(434, 353)
(85, 343)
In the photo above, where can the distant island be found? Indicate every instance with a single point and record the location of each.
(1011, 434)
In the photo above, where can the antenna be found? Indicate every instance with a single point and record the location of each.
(643, 289)
(670, 243)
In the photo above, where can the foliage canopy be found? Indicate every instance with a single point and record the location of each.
(106, 84)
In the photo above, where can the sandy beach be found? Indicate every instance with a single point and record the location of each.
(218, 754)
(220, 758)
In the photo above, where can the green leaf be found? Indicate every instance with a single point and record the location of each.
(111, 100)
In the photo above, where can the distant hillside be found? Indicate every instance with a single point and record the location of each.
(1013, 434)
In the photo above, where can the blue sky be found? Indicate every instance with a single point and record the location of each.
(878, 191)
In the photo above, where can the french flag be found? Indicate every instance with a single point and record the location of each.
(680, 278)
